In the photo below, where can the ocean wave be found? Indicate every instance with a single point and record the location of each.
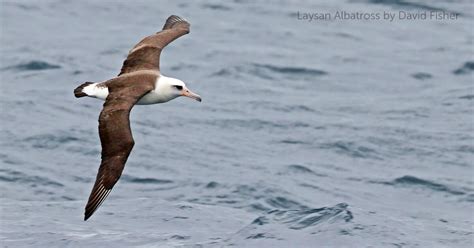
(270, 72)
(34, 65)
(256, 198)
(412, 181)
(145, 180)
(20, 177)
(301, 169)
(270, 224)
(351, 149)
(293, 142)
(257, 124)
(8, 159)
(300, 219)
(215, 7)
(49, 141)
(467, 97)
(410, 5)
(283, 107)
(468, 67)
(422, 76)
(281, 202)
(291, 70)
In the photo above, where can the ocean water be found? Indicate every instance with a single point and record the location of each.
(322, 133)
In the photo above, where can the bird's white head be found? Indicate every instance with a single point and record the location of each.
(170, 88)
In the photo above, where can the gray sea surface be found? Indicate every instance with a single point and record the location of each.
(321, 133)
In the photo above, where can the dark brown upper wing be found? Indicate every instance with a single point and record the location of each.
(146, 54)
(115, 137)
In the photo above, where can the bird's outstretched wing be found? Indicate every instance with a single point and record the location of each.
(115, 137)
(146, 54)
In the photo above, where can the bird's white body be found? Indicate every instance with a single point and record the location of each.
(163, 91)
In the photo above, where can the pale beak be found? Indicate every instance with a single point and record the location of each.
(191, 94)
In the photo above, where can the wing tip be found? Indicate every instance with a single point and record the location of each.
(173, 20)
(87, 216)
(95, 201)
(89, 212)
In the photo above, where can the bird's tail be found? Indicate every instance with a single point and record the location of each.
(78, 92)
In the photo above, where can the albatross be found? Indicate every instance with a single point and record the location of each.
(139, 82)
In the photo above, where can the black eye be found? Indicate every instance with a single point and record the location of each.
(179, 87)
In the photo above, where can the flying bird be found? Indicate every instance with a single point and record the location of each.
(139, 82)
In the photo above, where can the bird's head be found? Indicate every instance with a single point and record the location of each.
(172, 88)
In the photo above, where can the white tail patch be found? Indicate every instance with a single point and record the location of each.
(97, 91)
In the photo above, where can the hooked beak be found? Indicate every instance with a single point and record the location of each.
(186, 92)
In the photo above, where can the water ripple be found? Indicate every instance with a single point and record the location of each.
(300, 219)
(16, 176)
(412, 181)
(215, 7)
(257, 124)
(465, 69)
(34, 65)
(422, 76)
(270, 72)
(145, 180)
(410, 5)
(351, 149)
(49, 141)
(291, 70)
(467, 97)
